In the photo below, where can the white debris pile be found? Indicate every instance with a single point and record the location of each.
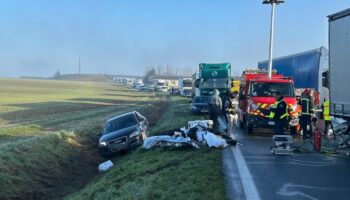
(198, 132)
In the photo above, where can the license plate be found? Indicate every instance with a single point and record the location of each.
(271, 123)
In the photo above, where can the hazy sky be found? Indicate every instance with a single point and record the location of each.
(39, 37)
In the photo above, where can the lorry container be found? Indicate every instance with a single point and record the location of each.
(306, 68)
(256, 97)
(214, 76)
(339, 63)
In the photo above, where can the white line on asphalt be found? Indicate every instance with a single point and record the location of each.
(248, 184)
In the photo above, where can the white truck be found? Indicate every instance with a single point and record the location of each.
(339, 64)
(185, 86)
(161, 85)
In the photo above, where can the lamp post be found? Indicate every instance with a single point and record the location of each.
(273, 3)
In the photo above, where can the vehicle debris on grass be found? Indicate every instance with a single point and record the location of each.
(198, 133)
(105, 166)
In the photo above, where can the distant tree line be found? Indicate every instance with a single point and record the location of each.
(160, 70)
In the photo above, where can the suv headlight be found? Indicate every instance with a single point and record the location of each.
(294, 107)
(134, 134)
(103, 144)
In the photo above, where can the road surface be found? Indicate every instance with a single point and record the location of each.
(252, 172)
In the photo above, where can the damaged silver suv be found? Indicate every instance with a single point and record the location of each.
(123, 132)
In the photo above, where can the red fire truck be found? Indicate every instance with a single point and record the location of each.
(256, 97)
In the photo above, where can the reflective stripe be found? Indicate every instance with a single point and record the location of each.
(263, 105)
(283, 116)
(307, 106)
(272, 114)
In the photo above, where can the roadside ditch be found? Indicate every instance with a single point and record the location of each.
(57, 164)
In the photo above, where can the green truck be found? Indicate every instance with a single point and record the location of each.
(214, 76)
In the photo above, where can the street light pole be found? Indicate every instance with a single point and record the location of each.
(273, 4)
(271, 39)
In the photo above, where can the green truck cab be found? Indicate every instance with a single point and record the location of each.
(214, 76)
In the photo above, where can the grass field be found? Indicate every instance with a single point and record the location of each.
(49, 129)
(162, 174)
(48, 145)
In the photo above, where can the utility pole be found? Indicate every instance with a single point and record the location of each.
(273, 3)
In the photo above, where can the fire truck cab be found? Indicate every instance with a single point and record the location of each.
(256, 97)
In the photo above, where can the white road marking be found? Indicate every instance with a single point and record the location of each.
(284, 191)
(248, 184)
(288, 163)
(289, 189)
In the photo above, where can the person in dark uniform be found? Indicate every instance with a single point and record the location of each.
(215, 106)
(306, 103)
(279, 113)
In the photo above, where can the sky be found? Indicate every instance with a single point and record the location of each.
(40, 37)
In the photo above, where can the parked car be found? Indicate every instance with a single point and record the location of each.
(123, 132)
(200, 104)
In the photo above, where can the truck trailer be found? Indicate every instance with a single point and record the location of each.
(308, 69)
(339, 63)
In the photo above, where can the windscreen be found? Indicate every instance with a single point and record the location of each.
(161, 84)
(120, 123)
(260, 89)
(214, 83)
(187, 83)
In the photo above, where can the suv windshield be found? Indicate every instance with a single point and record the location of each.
(120, 123)
(214, 83)
(261, 89)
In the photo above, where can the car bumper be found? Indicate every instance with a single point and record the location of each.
(128, 144)
(199, 110)
(260, 121)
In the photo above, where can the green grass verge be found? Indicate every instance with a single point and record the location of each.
(49, 132)
(162, 174)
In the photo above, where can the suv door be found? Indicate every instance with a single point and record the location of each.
(143, 123)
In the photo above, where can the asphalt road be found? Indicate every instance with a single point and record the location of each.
(252, 172)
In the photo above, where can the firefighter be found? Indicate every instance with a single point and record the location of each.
(231, 109)
(326, 116)
(279, 113)
(306, 104)
(215, 106)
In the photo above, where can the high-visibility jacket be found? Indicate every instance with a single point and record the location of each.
(276, 106)
(326, 115)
